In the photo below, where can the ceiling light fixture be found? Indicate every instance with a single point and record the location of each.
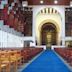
(55, 1)
(24, 3)
(71, 3)
(41, 1)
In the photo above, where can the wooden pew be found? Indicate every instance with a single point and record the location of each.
(14, 58)
(9, 58)
(4, 61)
(29, 53)
(66, 53)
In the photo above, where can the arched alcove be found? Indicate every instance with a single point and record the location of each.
(53, 18)
(49, 34)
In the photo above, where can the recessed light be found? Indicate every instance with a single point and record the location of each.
(71, 3)
(24, 3)
(41, 1)
(55, 1)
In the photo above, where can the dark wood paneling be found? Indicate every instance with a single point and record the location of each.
(48, 2)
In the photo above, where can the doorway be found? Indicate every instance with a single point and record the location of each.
(48, 34)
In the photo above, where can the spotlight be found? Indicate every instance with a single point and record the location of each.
(71, 3)
(24, 3)
(55, 1)
(41, 1)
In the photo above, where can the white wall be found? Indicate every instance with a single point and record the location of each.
(60, 9)
(53, 18)
(10, 40)
(9, 37)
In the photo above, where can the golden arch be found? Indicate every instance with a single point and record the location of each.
(47, 21)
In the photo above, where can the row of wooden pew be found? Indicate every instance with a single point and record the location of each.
(12, 59)
(66, 53)
(29, 53)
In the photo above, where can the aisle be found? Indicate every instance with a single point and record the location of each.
(48, 61)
